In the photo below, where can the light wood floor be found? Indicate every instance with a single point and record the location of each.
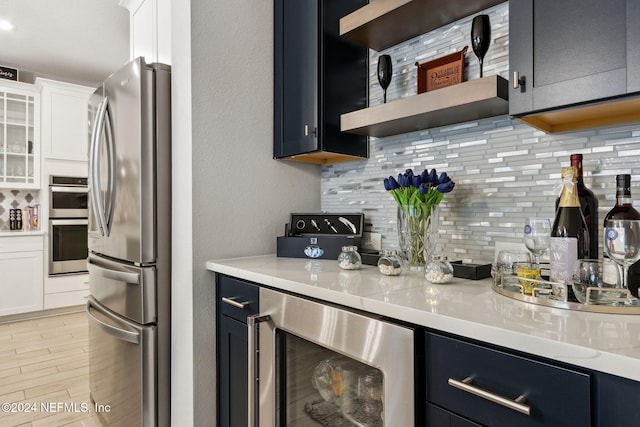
(44, 365)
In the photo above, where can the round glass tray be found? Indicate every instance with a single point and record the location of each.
(554, 294)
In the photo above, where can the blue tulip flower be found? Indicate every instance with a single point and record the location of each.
(443, 178)
(446, 187)
(424, 190)
(433, 177)
(390, 183)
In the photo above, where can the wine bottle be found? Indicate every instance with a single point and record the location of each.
(589, 207)
(569, 235)
(623, 209)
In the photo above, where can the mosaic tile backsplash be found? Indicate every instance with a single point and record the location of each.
(504, 170)
(15, 199)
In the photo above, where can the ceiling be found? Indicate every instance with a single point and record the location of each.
(77, 41)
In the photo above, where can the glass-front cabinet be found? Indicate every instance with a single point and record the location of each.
(19, 136)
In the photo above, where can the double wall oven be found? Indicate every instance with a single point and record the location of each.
(68, 225)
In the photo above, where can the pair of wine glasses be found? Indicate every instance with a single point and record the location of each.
(480, 41)
(621, 243)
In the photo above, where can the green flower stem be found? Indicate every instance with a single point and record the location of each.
(413, 222)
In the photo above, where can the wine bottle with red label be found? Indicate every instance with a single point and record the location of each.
(623, 209)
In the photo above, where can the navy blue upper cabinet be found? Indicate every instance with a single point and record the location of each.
(574, 53)
(318, 77)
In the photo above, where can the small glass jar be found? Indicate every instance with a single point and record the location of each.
(349, 258)
(390, 263)
(438, 270)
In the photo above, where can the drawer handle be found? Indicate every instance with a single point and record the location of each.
(233, 302)
(467, 385)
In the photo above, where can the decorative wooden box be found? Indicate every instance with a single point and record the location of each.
(441, 72)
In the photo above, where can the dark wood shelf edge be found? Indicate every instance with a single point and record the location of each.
(467, 101)
(385, 23)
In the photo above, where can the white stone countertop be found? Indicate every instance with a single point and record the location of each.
(20, 233)
(605, 342)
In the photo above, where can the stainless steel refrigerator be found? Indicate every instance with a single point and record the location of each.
(130, 246)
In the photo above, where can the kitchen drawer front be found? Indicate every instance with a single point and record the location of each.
(21, 243)
(556, 396)
(234, 293)
(617, 402)
(437, 417)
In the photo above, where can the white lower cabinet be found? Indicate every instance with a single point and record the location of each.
(21, 281)
(66, 290)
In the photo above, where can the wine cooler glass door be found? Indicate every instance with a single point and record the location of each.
(322, 387)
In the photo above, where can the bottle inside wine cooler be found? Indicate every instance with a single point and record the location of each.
(623, 209)
(569, 234)
(588, 205)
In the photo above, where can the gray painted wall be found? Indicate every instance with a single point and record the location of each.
(241, 196)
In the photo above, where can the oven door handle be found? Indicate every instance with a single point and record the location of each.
(69, 221)
(252, 360)
(74, 189)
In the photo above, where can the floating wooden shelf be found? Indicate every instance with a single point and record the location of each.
(385, 23)
(471, 100)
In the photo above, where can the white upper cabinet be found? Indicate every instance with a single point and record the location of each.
(64, 120)
(150, 29)
(19, 135)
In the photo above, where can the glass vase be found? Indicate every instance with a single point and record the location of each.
(417, 233)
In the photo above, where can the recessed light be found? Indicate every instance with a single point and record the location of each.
(6, 25)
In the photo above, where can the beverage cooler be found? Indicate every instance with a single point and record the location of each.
(322, 365)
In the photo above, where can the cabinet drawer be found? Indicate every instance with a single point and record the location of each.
(233, 294)
(21, 243)
(66, 299)
(556, 396)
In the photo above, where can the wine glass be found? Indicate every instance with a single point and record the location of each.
(385, 71)
(622, 244)
(480, 37)
(537, 234)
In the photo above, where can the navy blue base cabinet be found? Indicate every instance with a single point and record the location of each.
(617, 401)
(236, 300)
(459, 382)
(485, 385)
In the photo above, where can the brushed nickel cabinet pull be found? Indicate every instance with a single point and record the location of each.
(467, 385)
(308, 131)
(233, 302)
(518, 82)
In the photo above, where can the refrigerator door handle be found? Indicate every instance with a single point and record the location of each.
(111, 157)
(109, 273)
(94, 166)
(121, 334)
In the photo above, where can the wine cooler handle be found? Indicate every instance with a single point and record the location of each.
(252, 360)
(467, 385)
